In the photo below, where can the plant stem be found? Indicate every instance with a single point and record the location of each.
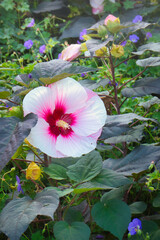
(114, 84)
(132, 79)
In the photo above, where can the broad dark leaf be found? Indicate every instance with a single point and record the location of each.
(12, 135)
(19, 213)
(149, 62)
(93, 84)
(134, 27)
(134, 134)
(54, 70)
(94, 44)
(57, 7)
(118, 124)
(155, 47)
(23, 79)
(143, 87)
(150, 103)
(77, 25)
(136, 161)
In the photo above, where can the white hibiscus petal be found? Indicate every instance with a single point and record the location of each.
(40, 138)
(91, 118)
(75, 145)
(39, 101)
(69, 93)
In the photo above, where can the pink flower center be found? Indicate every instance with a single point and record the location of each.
(59, 122)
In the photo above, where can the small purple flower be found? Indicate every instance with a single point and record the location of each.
(148, 35)
(59, 55)
(31, 24)
(28, 44)
(137, 19)
(42, 49)
(99, 236)
(123, 43)
(133, 97)
(83, 74)
(30, 75)
(7, 106)
(134, 226)
(78, 42)
(19, 188)
(133, 38)
(84, 32)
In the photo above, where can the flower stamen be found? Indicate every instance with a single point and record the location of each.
(63, 124)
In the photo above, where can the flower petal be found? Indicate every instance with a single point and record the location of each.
(39, 101)
(75, 145)
(91, 118)
(42, 139)
(69, 93)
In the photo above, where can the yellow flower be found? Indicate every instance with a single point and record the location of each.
(117, 51)
(33, 171)
(102, 52)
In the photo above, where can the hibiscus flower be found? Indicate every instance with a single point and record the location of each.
(70, 118)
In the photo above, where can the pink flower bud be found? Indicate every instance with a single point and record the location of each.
(111, 18)
(71, 52)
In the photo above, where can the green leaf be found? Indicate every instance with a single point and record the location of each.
(73, 215)
(64, 231)
(62, 192)
(106, 179)
(56, 171)
(149, 62)
(128, 4)
(156, 201)
(19, 213)
(117, 193)
(52, 71)
(4, 93)
(143, 87)
(113, 216)
(136, 161)
(86, 168)
(156, 235)
(155, 47)
(12, 134)
(138, 207)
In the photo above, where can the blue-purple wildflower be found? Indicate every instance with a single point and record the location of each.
(137, 19)
(99, 236)
(84, 32)
(28, 44)
(59, 55)
(19, 188)
(30, 75)
(133, 38)
(42, 49)
(31, 24)
(134, 226)
(83, 74)
(148, 35)
(123, 43)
